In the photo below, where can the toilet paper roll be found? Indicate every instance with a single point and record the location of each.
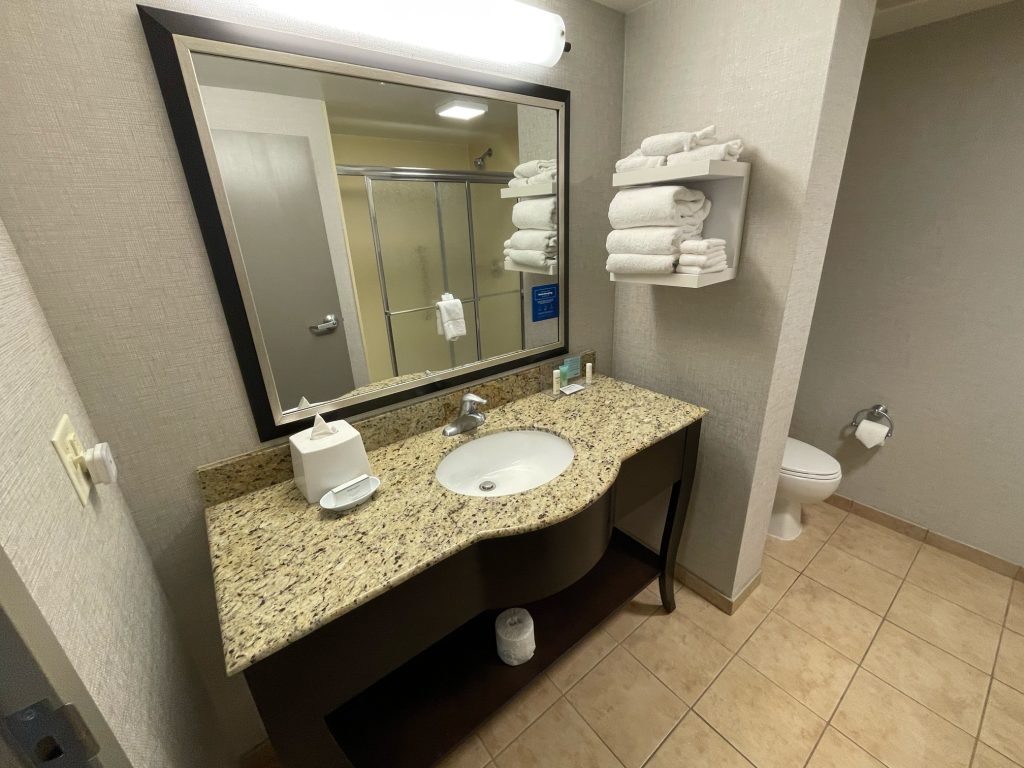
(513, 631)
(872, 433)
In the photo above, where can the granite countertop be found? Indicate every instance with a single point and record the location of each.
(283, 568)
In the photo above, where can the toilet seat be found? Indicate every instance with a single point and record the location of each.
(805, 461)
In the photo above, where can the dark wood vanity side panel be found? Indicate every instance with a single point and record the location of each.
(649, 473)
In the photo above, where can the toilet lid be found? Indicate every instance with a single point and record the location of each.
(807, 461)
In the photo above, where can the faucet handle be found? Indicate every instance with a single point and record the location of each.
(470, 403)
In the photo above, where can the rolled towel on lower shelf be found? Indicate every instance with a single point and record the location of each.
(639, 264)
(658, 206)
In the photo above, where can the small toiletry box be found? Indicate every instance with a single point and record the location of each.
(327, 455)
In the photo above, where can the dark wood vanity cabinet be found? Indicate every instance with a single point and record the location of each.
(402, 679)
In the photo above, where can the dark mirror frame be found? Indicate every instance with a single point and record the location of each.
(160, 27)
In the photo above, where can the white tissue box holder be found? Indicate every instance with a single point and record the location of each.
(326, 462)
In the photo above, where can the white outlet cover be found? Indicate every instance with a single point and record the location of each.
(68, 447)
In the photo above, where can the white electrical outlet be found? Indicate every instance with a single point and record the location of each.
(69, 448)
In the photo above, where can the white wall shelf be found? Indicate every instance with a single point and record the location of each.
(706, 170)
(725, 183)
(676, 280)
(511, 266)
(542, 189)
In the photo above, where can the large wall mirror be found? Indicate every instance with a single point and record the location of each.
(343, 194)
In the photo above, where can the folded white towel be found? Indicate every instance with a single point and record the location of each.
(729, 151)
(655, 207)
(533, 167)
(653, 240)
(536, 213)
(684, 270)
(638, 160)
(679, 141)
(530, 258)
(701, 246)
(639, 264)
(543, 177)
(533, 240)
(515, 182)
(702, 260)
(451, 322)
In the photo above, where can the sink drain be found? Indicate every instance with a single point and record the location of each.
(487, 485)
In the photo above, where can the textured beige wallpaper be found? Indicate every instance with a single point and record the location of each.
(784, 77)
(920, 304)
(95, 200)
(86, 567)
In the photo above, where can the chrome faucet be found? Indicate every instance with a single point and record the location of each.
(469, 417)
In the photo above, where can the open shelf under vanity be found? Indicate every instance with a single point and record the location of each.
(416, 714)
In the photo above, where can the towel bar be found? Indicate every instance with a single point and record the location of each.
(875, 413)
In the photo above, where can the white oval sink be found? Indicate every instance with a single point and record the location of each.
(505, 463)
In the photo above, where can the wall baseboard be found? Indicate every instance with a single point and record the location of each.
(930, 537)
(721, 601)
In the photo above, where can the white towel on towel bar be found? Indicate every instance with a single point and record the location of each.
(678, 141)
(639, 264)
(667, 206)
(536, 213)
(533, 240)
(451, 321)
(663, 241)
(729, 151)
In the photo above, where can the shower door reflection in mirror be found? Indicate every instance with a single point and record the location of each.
(353, 205)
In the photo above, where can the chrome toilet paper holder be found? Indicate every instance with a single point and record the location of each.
(877, 413)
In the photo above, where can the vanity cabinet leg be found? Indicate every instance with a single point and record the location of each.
(675, 520)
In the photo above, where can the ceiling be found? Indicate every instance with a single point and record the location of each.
(891, 16)
(359, 106)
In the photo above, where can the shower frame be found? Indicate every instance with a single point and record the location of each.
(371, 173)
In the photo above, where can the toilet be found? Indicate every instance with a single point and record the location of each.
(807, 475)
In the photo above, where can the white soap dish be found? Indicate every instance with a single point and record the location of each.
(350, 494)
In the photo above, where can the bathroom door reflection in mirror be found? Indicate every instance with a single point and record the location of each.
(353, 205)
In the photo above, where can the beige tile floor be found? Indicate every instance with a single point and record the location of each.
(861, 648)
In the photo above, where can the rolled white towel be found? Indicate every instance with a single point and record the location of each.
(679, 141)
(702, 260)
(639, 264)
(533, 240)
(533, 167)
(536, 213)
(729, 151)
(663, 241)
(684, 270)
(701, 246)
(530, 258)
(656, 207)
(637, 160)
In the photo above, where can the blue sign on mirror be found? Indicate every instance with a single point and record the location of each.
(545, 302)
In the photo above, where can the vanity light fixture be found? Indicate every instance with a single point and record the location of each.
(513, 33)
(462, 109)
